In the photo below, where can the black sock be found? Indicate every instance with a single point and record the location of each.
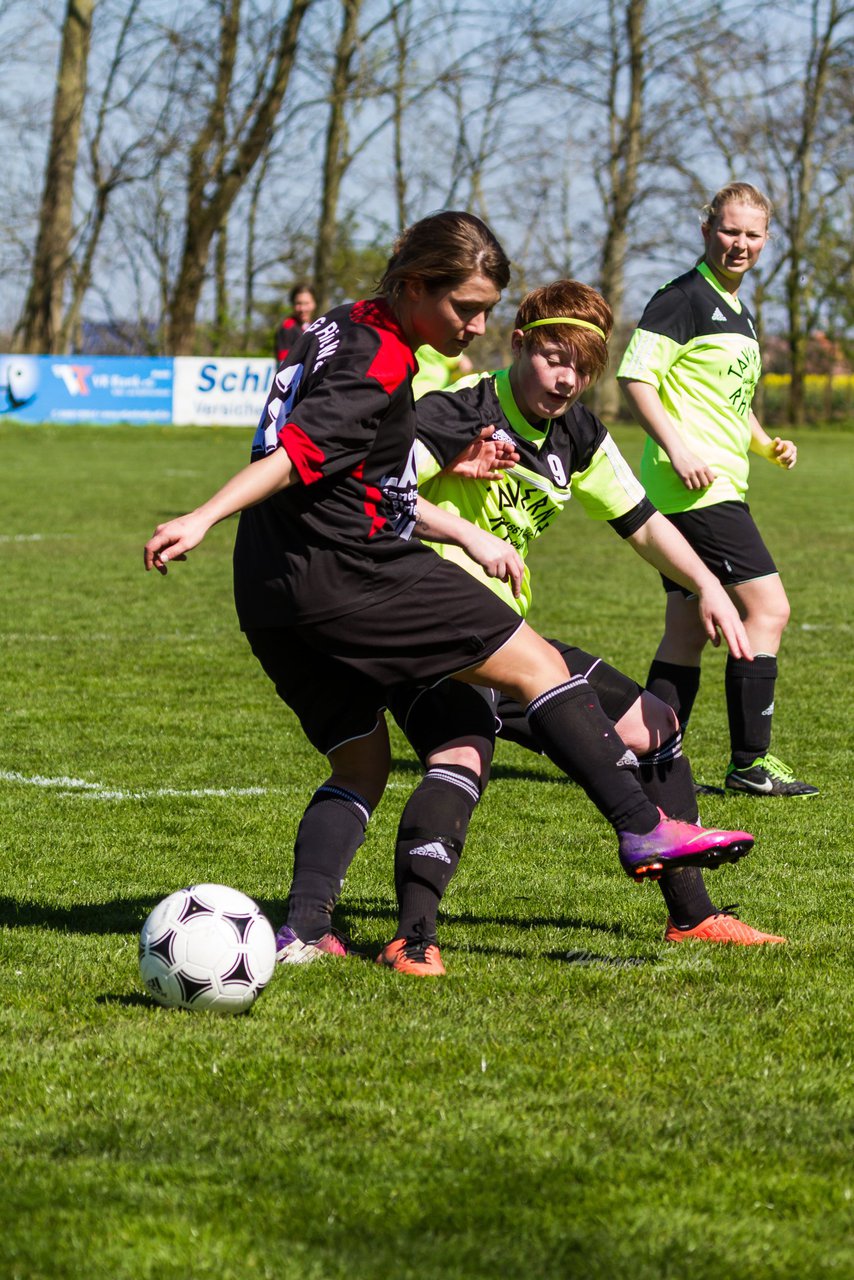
(665, 775)
(578, 737)
(750, 706)
(676, 685)
(332, 829)
(687, 898)
(430, 839)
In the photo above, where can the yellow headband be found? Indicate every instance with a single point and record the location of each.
(581, 324)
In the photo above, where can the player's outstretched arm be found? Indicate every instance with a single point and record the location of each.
(644, 401)
(782, 452)
(486, 458)
(251, 485)
(496, 557)
(663, 546)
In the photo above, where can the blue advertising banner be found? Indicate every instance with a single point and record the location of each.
(99, 389)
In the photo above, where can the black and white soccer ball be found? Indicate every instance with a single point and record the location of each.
(207, 947)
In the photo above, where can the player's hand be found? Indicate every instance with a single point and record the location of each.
(486, 458)
(496, 557)
(691, 470)
(783, 452)
(172, 541)
(721, 620)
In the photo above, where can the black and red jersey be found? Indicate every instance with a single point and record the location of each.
(342, 407)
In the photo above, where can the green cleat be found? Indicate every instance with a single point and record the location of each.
(767, 776)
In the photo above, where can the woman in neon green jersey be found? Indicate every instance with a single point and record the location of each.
(689, 374)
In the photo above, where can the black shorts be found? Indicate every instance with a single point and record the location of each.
(726, 539)
(333, 703)
(336, 674)
(433, 717)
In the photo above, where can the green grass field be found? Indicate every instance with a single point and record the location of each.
(575, 1099)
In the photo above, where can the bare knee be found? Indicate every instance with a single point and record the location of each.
(363, 765)
(525, 667)
(475, 755)
(765, 609)
(684, 635)
(647, 724)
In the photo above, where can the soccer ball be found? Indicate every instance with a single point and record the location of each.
(207, 947)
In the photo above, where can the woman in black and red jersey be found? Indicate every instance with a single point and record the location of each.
(340, 604)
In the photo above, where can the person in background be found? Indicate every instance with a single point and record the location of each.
(689, 374)
(303, 307)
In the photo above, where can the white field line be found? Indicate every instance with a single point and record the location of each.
(98, 791)
(32, 537)
(81, 789)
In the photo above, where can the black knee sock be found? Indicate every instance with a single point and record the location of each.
(676, 685)
(750, 706)
(430, 839)
(332, 829)
(666, 778)
(578, 737)
(687, 898)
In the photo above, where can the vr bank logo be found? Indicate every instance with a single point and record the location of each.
(74, 377)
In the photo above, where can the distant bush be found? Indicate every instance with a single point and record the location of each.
(829, 398)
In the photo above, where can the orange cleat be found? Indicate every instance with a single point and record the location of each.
(723, 926)
(412, 955)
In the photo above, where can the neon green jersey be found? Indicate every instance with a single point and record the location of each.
(572, 455)
(696, 344)
(435, 371)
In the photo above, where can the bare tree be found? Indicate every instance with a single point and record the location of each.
(805, 202)
(619, 176)
(222, 157)
(780, 113)
(117, 153)
(40, 326)
(336, 152)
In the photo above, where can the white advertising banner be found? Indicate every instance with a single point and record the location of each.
(220, 390)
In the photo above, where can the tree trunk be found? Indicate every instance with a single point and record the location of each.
(335, 158)
(815, 86)
(40, 325)
(623, 165)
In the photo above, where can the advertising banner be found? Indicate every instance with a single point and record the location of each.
(99, 389)
(223, 390)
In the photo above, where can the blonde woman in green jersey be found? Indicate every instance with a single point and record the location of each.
(689, 374)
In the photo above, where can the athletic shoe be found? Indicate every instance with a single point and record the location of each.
(767, 776)
(723, 926)
(292, 950)
(413, 955)
(679, 844)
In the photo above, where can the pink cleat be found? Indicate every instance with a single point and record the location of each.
(290, 949)
(679, 844)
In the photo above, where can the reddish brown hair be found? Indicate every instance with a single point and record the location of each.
(576, 301)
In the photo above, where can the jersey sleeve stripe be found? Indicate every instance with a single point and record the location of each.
(622, 471)
(306, 456)
(648, 357)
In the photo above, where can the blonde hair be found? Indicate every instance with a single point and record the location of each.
(737, 193)
(443, 250)
(568, 299)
